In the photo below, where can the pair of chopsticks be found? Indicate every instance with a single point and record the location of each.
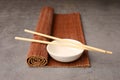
(86, 47)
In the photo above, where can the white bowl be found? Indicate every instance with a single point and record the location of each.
(64, 53)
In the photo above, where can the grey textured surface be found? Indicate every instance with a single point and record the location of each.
(101, 22)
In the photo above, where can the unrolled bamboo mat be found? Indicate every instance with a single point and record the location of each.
(58, 25)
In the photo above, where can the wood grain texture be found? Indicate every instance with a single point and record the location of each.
(37, 55)
(69, 26)
(58, 25)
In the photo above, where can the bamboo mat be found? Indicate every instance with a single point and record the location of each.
(63, 26)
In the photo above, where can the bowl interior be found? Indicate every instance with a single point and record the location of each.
(63, 50)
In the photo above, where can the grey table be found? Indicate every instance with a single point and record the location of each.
(101, 22)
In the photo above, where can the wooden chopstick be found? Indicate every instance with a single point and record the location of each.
(45, 42)
(77, 45)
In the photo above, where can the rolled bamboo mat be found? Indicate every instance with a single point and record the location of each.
(59, 25)
(37, 55)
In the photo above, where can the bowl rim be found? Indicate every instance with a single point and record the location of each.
(80, 53)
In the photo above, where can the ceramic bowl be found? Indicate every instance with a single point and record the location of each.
(64, 53)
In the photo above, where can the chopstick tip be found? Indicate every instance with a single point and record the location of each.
(25, 29)
(109, 52)
(14, 37)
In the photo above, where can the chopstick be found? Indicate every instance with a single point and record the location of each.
(44, 42)
(86, 47)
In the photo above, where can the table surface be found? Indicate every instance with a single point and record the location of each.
(101, 22)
